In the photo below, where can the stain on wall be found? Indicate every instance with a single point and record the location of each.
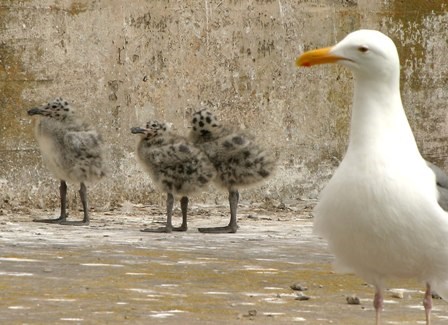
(123, 63)
(419, 28)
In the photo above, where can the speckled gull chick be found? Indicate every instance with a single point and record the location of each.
(238, 159)
(71, 150)
(175, 165)
(380, 212)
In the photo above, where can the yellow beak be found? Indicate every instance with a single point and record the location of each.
(319, 56)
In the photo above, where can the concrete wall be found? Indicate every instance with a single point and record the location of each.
(123, 62)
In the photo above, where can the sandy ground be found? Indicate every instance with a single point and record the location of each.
(111, 273)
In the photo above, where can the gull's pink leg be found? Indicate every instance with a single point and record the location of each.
(378, 304)
(427, 303)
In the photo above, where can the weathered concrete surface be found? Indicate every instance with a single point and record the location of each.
(110, 273)
(124, 62)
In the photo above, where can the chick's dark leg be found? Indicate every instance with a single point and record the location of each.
(232, 227)
(63, 194)
(85, 206)
(85, 221)
(234, 198)
(63, 198)
(169, 215)
(184, 208)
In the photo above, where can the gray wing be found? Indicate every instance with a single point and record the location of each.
(169, 155)
(442, 185)
(83, 143)
(233, 143)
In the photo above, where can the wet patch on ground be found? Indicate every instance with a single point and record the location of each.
(111, 273)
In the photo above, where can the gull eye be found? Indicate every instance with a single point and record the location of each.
(363, 49)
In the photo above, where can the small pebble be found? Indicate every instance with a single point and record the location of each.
(353, 300)
(281, 206)
(252, 312)
(302, 297)
(396, 293)
(298, 287)
(252, 217)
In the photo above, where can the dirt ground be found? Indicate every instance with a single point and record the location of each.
(111, 273)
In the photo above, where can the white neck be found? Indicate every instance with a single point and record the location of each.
(378, 119)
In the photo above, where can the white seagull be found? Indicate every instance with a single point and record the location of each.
(380, 212)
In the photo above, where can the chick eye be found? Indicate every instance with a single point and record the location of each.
(363, 49)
